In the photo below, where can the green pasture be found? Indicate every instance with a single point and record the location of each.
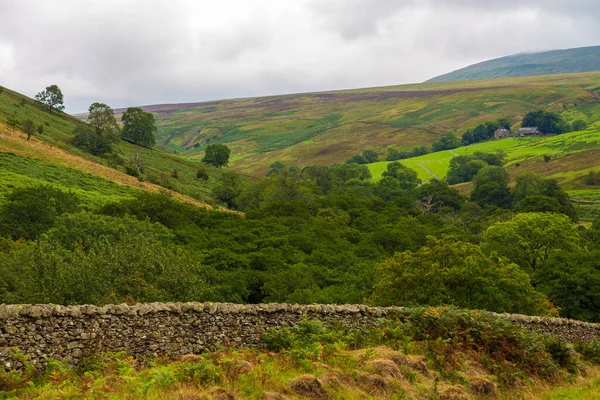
(17, 172)
(516, 149)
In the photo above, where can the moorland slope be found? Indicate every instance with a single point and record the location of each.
(329, 127)
(581, 59)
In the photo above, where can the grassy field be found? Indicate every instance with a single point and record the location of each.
(17, 172)
(522, 155)
(329, 127)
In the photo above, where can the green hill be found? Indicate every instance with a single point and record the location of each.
(583, 59)
(50, 157)
(330, 127)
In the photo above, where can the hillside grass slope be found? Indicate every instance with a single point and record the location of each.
(50, 158)
(330, 127)
(582, 59)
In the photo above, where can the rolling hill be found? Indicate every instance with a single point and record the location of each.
(50, 158)
(582, 59)
(330, 127)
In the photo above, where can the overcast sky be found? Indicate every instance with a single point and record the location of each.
(137, 52)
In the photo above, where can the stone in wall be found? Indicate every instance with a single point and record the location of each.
(149, 330)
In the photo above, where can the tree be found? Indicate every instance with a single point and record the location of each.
(228, 188)
(435, 196)
(52, 97)
(446, 142)
(102, 118)
(276, 168)
(88, 140)
(40, 129)
(345, 172)
(357, 159)
(394, 154)
(217, 155)
(407, 177)
(547, 122)
(491, 187)
(458, 273)
(28, 127)
(530, 239)
(138, 127)
(572, 281)
(579, 125)
(371, 156)
(542, 195)
(320, 175)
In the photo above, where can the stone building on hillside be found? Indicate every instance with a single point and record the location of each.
(529, 131)
(501, 133)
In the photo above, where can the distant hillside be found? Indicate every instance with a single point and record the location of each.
(583, 59)
(330, 127)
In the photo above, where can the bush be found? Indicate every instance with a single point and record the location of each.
(202, 174)
(593, 178)
(446, 334)
(459, 273)
(579, 125)
(28, 212)
(590, 351)
(86, 140)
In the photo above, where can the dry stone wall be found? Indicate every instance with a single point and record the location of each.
(149, 330)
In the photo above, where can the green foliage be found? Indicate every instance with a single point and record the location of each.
(447, 272)
(40, 129)
(138, 127)
(28, 127)
(346, 172)
(406, 177)
(202, 174)
(530, 239)
(571, 279)
(228, 189)
(13, 122)
(444, 334)
(590, 351)
(85, 139)
(491, 187)
(30, 211)
(133, 268)
(483, 132)
(52, 97)
(579, 125)
(464, 168)
(217, 155)
(535, 194)
(320, 176)
(592, 178)
(357, 159)
(102, 118)
(446, 142)
(371, 156)
(436, 196)
(547, 122)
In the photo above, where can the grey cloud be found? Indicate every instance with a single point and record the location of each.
(132, 52)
